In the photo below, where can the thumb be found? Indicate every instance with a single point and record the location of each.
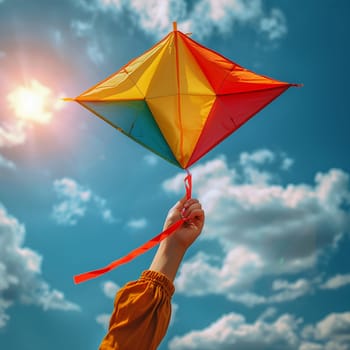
(180, 204)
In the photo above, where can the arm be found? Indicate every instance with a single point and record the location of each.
(142, 308)
(172, 249)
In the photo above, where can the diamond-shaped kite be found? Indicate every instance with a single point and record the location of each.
(179, 99)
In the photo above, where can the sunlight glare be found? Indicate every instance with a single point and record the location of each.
(32, 102)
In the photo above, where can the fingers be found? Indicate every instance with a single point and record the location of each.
(197, 214)
(189, 208)
(180, 204)
(192, 209)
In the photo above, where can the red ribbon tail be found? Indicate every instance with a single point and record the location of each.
(130, 256)
(140, 250)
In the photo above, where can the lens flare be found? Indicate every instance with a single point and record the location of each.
(32, 103)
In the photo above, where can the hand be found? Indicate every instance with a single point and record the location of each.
(192, 211)
(172, 249)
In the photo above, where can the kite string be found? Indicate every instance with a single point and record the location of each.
(188, 184)
(141, 249)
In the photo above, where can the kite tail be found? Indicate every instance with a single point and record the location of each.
(143, 248)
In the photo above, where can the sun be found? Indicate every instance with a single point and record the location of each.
(31, 103)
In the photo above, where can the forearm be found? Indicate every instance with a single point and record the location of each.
(168, 258)
(172, 250)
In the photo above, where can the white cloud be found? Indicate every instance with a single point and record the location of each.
(174, 310)
(4, 305)
(332, 333)
(268, 313)
(231, 331)
(264, 229)
(54, 299)
(105, 212)
(2, 54)
(137, 224)
(13, 134)
(251, 166)
(86, 29)
(311, 346)
(261, 156)
(201, 273)
(95, 53)
(74, 204)
(20, 272)
(203, 18)
(336, 282)
(81, 28)
(76, 200)
(287, 163)
(275, 25)
(103, 320)
(334, 325)
(110, 289)
(116, 4)
(5, 163)
(290, 290)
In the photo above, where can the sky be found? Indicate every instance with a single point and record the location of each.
(271, 268)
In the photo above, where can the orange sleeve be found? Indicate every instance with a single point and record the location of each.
(141, 314)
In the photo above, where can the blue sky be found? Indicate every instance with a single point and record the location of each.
(271, 269)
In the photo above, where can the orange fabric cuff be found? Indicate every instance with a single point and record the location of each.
(158, 279)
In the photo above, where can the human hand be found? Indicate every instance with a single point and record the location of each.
(172, 249)
(192, 211)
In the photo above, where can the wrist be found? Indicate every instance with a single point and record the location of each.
(168, 258)
(174, 246)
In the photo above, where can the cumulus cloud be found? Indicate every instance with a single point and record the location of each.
(203, 17)
(336, 282)
(20, 272)
(310, 346)
(174, 310)
(103, 320)
(110, 289)
(274, 25)
(263, 228)
(137, 224)
(290, 290)
(334, 324)
(331, 333)
(232, 331)
(76, 200)
(86, 29)
(13, 134)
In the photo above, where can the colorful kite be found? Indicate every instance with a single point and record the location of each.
(179, 99)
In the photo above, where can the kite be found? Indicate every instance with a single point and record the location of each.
(179, 99)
